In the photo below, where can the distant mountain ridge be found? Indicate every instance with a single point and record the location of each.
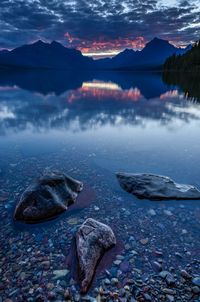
(55, 56)
(45, 55)
(152, 56)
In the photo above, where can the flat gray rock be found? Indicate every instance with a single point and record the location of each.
(92, 240)
(47, 197)
(156, 187)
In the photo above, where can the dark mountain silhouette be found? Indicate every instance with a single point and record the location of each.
(152, 56)
(56, 56)
(124, 58)
(45, 55)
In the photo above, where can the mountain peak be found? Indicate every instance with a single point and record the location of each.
(158, 45)
(39, 42)
(156, 41)
(128, 51)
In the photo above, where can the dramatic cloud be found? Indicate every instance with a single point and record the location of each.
(98, 25)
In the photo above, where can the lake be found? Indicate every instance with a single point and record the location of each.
(91, 126)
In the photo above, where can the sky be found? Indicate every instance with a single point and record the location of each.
(99, 27)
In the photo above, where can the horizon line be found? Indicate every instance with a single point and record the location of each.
(97, 55)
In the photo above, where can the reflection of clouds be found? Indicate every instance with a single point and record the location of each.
(7, 88)
(91, 106)
(193, 112)
(6, 113)
(59, 116)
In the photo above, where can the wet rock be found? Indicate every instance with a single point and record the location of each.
(152, 212)
(185, 274)
(168, 213)
(156, 187)
(156, 266)
(60, 273)
(107, 282)
(196, 289)
(170, 298)
(168, 291)
(178, 255)
(144, 241)
(47, 197)
(196, 281)
(158, 253)
(147, 297)
(170, 279)
(164, 274)
(92, 240)
(114, 281)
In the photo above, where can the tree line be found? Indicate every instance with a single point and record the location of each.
(190, 61)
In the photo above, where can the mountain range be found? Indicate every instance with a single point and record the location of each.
(152, 56)
(45, 55)
(55, 56)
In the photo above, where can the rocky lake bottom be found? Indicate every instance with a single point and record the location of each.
(157, 255)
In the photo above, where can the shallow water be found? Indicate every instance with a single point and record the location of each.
(92, 126)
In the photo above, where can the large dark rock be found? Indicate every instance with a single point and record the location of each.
(47, 197)
(156, 187)
(92, 240)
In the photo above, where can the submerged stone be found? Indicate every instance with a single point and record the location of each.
(196, 281)
(47, 197)
(60, 273)
(92, 240)
(156, 187)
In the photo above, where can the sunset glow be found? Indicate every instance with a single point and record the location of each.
(98, 28)
(103, 48)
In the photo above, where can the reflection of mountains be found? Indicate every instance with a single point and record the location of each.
(58, 82)
(94, 104)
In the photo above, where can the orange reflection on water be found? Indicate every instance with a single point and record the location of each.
(100, 91)
(169, 94)
(101, 85)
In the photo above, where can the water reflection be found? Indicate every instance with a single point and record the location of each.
(58, 82)
(41, 101)
(188, 83)
(100, 90)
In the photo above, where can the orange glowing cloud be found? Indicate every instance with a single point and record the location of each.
(104, 47)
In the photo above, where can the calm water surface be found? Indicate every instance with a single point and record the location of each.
(92, 126)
